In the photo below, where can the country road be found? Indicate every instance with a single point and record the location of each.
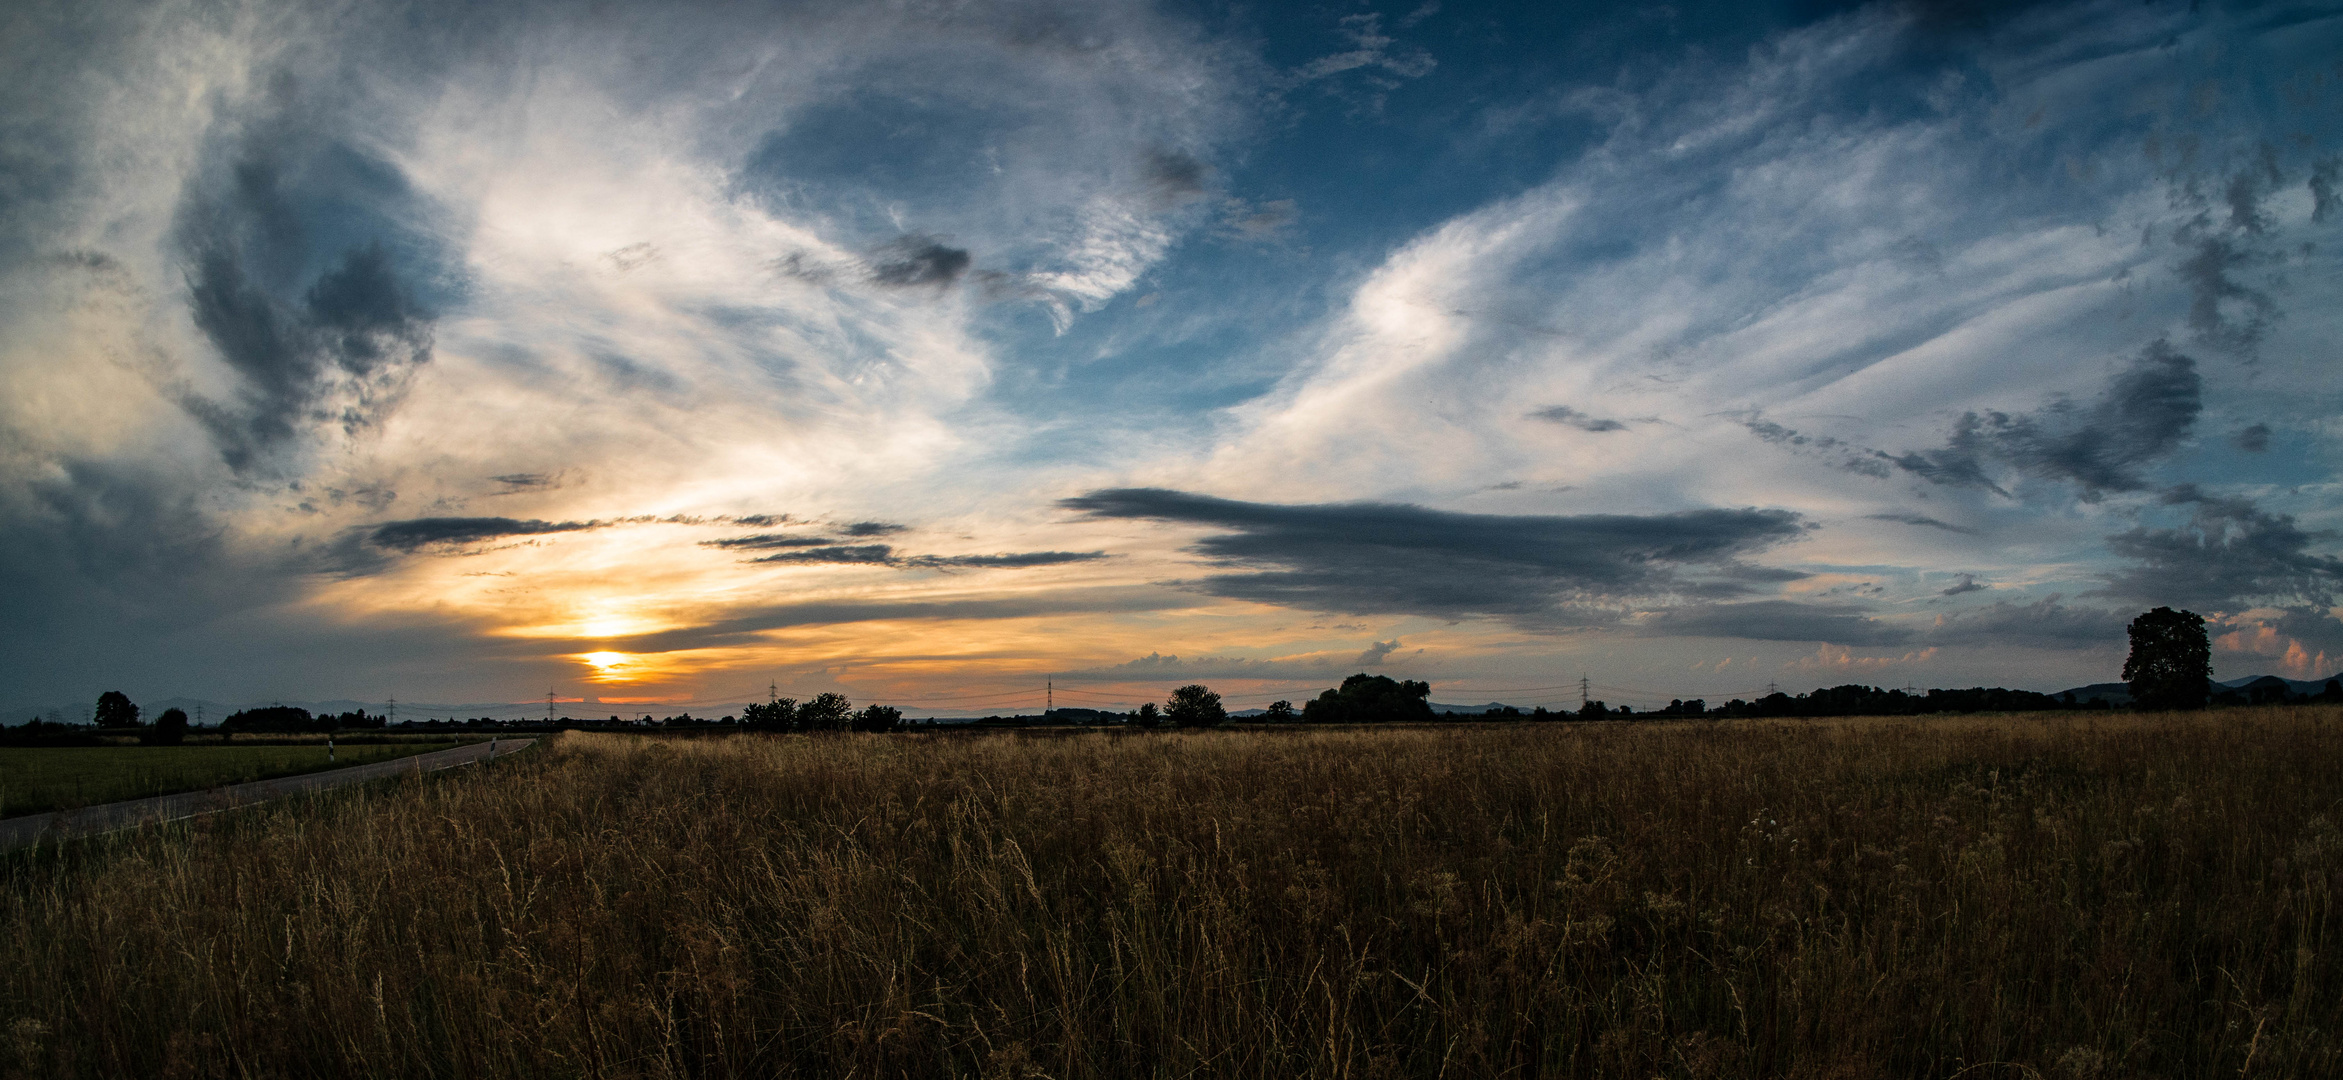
(90, 820)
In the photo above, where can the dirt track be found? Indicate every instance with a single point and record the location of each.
(89, 820)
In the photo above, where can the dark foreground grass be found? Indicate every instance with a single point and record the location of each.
(2032, 897)
(38, 779)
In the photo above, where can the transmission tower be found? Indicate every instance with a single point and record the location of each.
(1049, 689)
(548, 704)
(1585, 695)
(1769, 688)
(772, 693)
(392, 717)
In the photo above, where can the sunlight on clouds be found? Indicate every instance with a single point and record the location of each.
(840, 285)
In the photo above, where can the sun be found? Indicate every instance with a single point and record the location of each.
(605, 662)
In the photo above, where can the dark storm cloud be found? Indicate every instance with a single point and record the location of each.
(1009, 560)
(1776, 620)
(80, 527)
(106, 568)
(2253, 440)
(745, 625)
(2223, 311)
(884, 555)
(1833, 450)
(915, 260)
(416, 533)
(857, 554)
(1565, 415)
(2244, 193)
(1386, 557)
(762, 541)
(1924, 522)
(2230, 555)
(2323, 200)
(2145, 413)
(874, 528)
(1156, 665)
(2043, 623)
(1968, 584)
(2314, 628)
(298, 255)
(2046, 623)
(1173, 176)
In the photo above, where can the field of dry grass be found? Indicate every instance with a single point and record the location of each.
(2036, 896)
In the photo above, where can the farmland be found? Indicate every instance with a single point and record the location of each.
(2099, 895)
(37, 779)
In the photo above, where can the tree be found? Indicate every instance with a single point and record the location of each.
(878, 718)
(1365, 698)
(1194, 705)
(270, 718)
(826, 712)
(170, 729)
(2171, 663)
(777, 715)
(1279, 712)
(115, 710)
(1148, 716)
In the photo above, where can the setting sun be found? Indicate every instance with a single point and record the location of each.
(606, 662)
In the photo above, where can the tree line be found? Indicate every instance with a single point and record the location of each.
(2169, 666)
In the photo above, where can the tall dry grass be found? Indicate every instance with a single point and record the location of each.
(2061, 897)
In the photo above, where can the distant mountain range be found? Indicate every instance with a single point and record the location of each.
(2121, 692)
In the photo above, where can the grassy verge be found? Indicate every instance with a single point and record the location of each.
(2062, 897)
(38, 779)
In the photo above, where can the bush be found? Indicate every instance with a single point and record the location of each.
(170, 729)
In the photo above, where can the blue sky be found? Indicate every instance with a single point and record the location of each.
(929, 352)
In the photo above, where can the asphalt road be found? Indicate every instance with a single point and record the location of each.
(90, 820)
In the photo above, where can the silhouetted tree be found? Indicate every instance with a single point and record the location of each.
(1148, 716)
(115, 710)
(270, 718)
(826, 712)
(2171, 663)
(878, 718)
(1365, 698)
(1194, 705)
(1279, 712)
(170, 729)
(776, 715)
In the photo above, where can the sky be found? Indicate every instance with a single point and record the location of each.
(938, 353)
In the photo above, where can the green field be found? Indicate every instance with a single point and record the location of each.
(38, 779)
